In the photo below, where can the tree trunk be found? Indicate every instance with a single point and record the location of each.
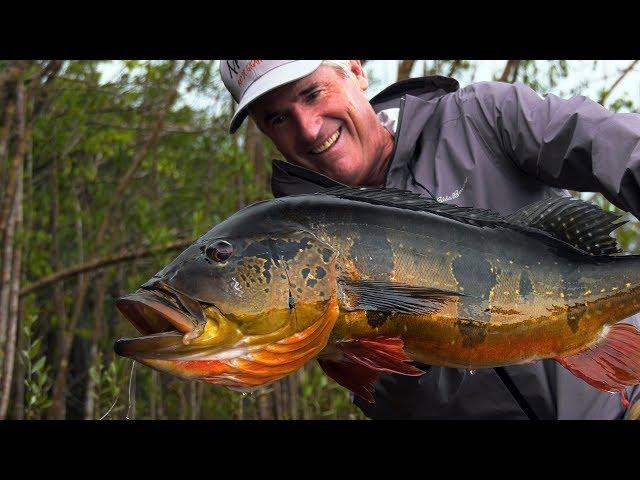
(7, 234)
(404, 69)
(13, 310)
(18, 402)
(255, 150)
(5, 288)
(265, 403)
(509, 69)
(240, 412)
(153, 389)
(19, 377)
(5, 129)
(293, 396)
(279, 398)
(15, 173)
(193, 401)
(183, 401)
(58, 292)
(160, 407)
(101, 287)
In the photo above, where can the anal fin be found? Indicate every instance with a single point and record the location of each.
(361, 362)
(612, 364)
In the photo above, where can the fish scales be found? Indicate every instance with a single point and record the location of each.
(500, 259)
(363, 283)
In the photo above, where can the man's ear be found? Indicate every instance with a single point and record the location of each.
(360, 74)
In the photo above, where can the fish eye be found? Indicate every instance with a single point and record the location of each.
(219, 251)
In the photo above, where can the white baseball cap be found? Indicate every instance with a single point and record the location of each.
(248, 80)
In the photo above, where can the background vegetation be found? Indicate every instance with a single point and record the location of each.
(105, 180)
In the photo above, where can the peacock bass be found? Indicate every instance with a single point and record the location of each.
(368, 279)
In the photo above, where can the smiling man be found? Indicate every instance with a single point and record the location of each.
(489, 145)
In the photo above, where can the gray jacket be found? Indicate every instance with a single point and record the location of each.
(498, 146)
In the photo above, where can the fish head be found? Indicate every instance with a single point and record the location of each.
(240, 311)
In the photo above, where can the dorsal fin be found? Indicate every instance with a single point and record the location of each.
(581, 224)
(414, 201)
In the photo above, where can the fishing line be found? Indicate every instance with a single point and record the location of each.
(111, 408)
(130, 383)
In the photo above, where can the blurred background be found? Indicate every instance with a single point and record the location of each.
(108, 169)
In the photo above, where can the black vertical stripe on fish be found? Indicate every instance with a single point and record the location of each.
(571, 284)
(476, 278)
(575, 314)
(376, 318)
(473, 333)
(525, 288)
(374, 259)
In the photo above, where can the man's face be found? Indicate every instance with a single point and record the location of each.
(325, 123)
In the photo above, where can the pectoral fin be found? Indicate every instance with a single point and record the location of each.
(391, 297)
(610, 365)
(363, 360)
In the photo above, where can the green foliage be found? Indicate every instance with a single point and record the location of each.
(621, 103)
(322, 398)
(109, 379)
(37, 373)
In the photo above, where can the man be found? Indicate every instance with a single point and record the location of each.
(490, 145)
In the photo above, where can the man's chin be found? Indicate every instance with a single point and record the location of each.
(347, 174)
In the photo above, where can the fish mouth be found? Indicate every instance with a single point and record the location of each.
(165, 319)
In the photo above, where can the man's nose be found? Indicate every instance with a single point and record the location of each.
(309, 124)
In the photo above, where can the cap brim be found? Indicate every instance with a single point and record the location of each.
(271, 80)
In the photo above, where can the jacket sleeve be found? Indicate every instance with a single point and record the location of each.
(575, 144)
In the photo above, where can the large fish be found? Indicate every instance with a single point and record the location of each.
(367, 280)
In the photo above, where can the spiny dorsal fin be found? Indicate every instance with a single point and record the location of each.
(414, 201)
(581, 224)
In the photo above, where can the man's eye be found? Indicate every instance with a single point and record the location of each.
(313, 95)
(277, 120)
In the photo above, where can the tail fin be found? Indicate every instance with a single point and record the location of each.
(610, 365)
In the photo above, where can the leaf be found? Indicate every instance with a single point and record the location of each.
(39, 364)
(34, 349)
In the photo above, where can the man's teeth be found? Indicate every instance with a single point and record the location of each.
(327, 143)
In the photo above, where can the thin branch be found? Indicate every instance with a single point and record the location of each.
(508, 68)
(100, 263)
(404, 69)
(144, 128)
(624, 73)
(454, 67)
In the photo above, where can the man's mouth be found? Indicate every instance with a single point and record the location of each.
(328, 143)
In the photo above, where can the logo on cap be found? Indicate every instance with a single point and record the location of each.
(233, 66)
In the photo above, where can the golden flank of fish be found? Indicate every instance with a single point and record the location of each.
(367, 280)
